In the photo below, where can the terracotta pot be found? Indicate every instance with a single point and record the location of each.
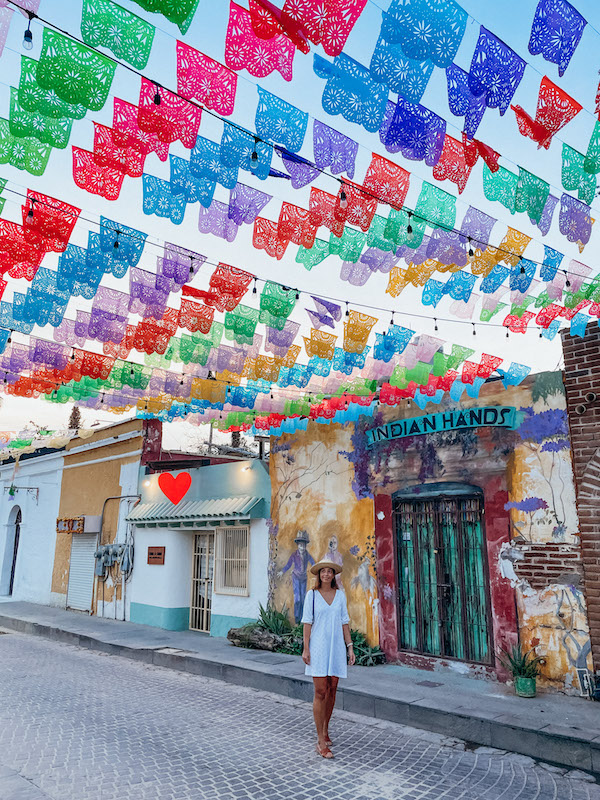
(525, 687)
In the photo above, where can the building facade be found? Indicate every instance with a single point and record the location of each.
(29, 504)
(582, 383)
(99, 485)
(201, 547)
(457, 529)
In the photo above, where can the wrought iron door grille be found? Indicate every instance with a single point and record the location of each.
(202, 581)
(443, 578)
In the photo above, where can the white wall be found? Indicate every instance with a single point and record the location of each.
(169, 585)
(233, 606)
(35, 555)
(165, 585)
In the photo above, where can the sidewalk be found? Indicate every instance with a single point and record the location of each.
(552, 727)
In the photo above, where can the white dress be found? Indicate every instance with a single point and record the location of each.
(327, 647)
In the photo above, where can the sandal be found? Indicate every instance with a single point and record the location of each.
(324, 752)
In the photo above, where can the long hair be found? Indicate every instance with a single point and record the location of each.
(318, 582)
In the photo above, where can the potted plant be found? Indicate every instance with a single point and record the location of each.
(524, 667)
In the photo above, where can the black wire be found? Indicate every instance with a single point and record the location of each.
(412, 315)
(258, 139)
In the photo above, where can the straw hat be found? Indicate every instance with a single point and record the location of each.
(322, 564)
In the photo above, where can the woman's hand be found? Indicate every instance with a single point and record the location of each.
(351, 656)
(306, 656)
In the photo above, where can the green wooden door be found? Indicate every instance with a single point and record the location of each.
(442, 577)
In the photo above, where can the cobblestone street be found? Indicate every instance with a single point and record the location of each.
(76, 725)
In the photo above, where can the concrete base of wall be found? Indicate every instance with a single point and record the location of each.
(171, 619)
(58, 600)
(220, 624)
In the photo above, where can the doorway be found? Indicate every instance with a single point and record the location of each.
(17, 533)
(202, 581)
(444, 605)
(80, 588)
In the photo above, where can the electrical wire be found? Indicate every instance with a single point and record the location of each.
(409, 314)
(275, 148)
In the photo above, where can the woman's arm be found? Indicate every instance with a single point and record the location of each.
(306, 637)
(349, 645)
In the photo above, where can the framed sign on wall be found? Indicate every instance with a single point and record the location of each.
(156, 555)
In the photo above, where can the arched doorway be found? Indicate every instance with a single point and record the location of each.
(444, 602)
(11, 548)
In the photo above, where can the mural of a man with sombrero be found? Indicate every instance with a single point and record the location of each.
(299, 562)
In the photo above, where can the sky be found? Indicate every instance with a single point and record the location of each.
(510, 20)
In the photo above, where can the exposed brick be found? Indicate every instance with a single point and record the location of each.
(582, 376)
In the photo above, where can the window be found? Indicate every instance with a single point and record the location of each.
(232, 561)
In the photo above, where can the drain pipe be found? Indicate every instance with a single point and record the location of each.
(118, 497)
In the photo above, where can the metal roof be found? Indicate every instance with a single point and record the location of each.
(197, 512)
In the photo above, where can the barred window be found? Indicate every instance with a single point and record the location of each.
(232, 560)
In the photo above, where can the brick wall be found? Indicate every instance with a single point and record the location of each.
(549, 562)
(582, 376)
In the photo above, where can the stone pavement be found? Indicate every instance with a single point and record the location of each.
(553, 727)
(82, 725)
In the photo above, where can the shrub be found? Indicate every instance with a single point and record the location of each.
(366, 656)
(277, 622)
(274, 621)
(293, 642)
(520, 664)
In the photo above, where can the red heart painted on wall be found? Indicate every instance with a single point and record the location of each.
(174, 487)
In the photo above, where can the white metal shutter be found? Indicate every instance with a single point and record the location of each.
(81, 571)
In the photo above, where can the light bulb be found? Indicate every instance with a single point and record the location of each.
(343, 200)
(28, 39)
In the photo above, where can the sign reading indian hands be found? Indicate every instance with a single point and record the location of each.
(487, 416)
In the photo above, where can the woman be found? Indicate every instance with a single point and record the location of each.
(327, 642)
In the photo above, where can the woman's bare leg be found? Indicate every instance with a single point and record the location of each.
(332, 683)
(320, 709)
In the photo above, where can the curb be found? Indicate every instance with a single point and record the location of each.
(565, 747)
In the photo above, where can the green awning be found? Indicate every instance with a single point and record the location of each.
(198, 513)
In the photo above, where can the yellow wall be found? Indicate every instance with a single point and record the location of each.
(312, 491)
(85, 487)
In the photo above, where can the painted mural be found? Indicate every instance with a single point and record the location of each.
(547, 573)
(315, 515)
(332, 497)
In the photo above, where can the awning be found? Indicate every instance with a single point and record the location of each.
(199, 513)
